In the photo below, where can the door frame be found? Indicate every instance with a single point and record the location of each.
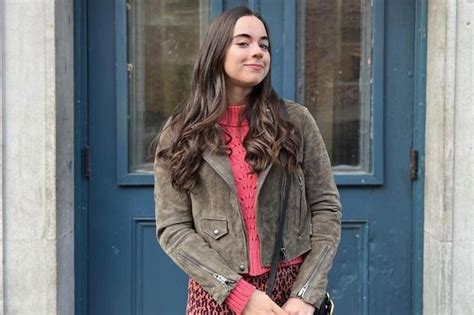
(419, 114)
(81, 139)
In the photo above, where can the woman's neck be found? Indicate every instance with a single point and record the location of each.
(237, 95)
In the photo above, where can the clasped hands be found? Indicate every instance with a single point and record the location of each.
(261, 304)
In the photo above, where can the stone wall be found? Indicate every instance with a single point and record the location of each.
(449, 198)
(2, 35)
(37, 204)
(29, 213)
(36, 164)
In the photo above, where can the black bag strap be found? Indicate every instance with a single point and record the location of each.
(277, 249)
(327, 306)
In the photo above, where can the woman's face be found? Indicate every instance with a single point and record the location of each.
(247, 59)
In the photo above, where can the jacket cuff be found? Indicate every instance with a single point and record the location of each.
(239, 296)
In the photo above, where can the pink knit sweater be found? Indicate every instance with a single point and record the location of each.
(246, 185)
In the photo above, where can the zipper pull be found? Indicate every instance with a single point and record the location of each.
(220, 278)
(303, 290)
(283, 253)
(300, 181)
(224, 281)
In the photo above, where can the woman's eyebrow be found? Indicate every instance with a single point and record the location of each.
(250, 37)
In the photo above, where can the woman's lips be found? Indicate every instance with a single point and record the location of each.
(254, 66)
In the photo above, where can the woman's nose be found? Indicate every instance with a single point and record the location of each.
(257, 51)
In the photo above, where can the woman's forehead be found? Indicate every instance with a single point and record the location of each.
(251, 26)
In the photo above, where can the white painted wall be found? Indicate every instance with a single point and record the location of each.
(449, 182)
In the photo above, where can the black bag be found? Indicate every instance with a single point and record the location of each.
(327, 306)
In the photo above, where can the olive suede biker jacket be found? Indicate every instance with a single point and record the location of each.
(203, 230)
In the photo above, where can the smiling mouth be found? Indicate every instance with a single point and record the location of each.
(254, 66)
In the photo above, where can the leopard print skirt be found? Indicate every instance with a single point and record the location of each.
(201, 303)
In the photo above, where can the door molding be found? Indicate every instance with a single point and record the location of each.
(81, 185)
(419, 114)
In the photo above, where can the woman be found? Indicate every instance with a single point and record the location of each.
(219, 166)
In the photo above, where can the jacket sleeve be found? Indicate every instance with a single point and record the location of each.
(178, 238)
(323, 201)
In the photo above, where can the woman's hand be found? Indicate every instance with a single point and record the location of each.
(296, 306)
(261, 304)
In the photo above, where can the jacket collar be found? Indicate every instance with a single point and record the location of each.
(220, 163)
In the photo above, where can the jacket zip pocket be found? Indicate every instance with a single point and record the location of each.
(300, 182)
(304, 210)
(220, 278)
(303, 290)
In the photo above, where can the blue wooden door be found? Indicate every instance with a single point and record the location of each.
(350, 62)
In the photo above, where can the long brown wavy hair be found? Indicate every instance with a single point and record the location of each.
(194, 128)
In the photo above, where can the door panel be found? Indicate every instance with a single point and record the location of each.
(137, 70)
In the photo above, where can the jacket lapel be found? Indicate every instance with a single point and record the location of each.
(261, 178)
(220, 163)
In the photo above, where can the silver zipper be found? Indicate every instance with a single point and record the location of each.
(220, 278)
(303, 290)
(300, 181)
(307, 212)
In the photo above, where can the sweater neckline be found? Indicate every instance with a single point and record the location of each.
(232, 115)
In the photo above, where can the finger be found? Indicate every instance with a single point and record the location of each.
(278, 311)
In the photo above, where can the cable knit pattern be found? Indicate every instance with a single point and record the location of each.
(245, 182)
(246, 185)
(239, 296)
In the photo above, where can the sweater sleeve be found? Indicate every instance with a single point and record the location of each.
(239, 296)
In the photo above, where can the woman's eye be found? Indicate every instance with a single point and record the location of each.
(264, 46)
(242, 44)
